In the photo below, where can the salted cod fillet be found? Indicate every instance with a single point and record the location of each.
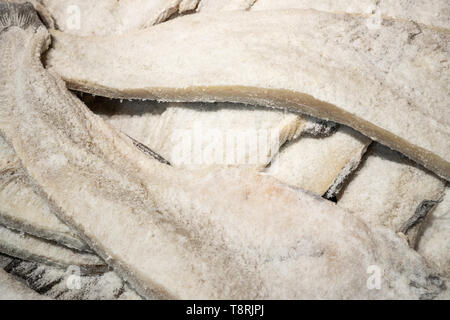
(185, 234)
(30, 248)
(13, 289)
(320, 164)
(24, 210)
(391, 84)
(104, 17)
(290, 166)
(198, 135)
(434, 244)
(431, 12)
(387, 188)
(70, 283)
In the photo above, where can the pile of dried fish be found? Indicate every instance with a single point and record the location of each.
(264, 150)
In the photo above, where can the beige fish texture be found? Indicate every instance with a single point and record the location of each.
(22, 209)
(220, 5)
(432, 12)
(320, 164)
(387, 188)
(202, 135)
(104, 17)
(228, 233)
(391, 84)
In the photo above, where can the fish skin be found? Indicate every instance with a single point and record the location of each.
(221, 234)
(44, 14)
(434, 242)
(5, 261)
(70, 284)
(15, 244)
(354, 81)
(13, 289)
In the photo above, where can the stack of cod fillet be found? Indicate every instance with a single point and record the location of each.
(109, 111)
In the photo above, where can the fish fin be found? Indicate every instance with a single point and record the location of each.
(21, 15)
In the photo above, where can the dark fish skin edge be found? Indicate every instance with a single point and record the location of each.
(22, 15)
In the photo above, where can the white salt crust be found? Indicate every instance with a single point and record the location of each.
(104, 17)
(319, 164)
(431, 12)
(24, 210)
(222, 234)
(355, 80)
(387, 188)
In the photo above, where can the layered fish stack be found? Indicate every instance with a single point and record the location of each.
(204, 149)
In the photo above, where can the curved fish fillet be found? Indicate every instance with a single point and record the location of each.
(387, 189)
(29, 248)
(24, 210)
(390, 83)
(203, 135)
(200, 234)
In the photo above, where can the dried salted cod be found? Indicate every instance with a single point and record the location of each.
(4, 261)
(187, 234)
(13, 289)
(412, 228)
(391, 83)
(201, 135)
(70, 283)
(387, 189)
(431, 12)
(434, 244)
(24, 210)
(220, 5)
(187, 5)
(106, 286)
(103, 17)
(30, 248)
(44, 14)
(320, 164)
